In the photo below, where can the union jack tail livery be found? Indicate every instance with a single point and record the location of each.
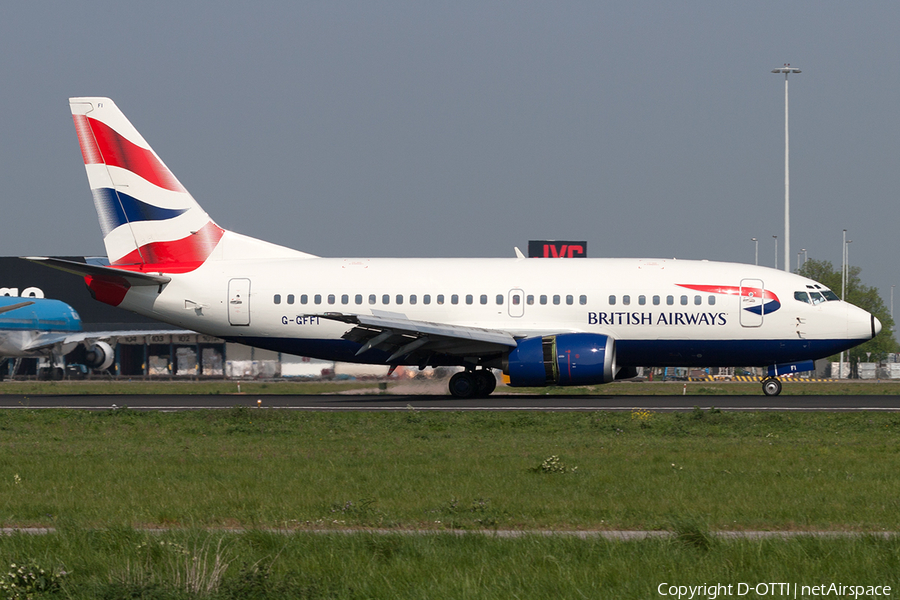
(150, 222)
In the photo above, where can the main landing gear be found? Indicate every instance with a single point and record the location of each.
(473, 384)
(771, 386)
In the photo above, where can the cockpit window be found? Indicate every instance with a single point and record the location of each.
(830, 296)
(801, 296)
(817, 298)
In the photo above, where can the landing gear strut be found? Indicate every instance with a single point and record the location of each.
(771, 386)
(473, 384)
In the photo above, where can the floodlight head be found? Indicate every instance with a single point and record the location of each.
(787, 68)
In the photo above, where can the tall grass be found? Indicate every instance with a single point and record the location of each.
(101, 564)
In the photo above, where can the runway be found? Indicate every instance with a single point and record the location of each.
(500, 402)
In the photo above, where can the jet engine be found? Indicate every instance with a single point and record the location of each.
(99, 356)
(564, 359)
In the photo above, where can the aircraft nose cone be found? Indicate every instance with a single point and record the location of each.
(876, 326)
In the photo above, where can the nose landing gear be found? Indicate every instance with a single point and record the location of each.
(771, 386)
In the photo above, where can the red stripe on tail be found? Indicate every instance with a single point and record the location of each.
(177, 256)
(102, 144)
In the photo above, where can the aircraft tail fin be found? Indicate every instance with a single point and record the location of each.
(150, 222)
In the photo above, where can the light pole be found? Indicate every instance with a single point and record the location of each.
(787, 70)
(843, 264)
(892, 305)
(799, 254)
(755, 250)
(845, 271)
(776, 250)
(805, 255)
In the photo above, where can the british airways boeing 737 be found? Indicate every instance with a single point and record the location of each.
(541, 321)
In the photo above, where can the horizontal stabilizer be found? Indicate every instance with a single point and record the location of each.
(83, 269)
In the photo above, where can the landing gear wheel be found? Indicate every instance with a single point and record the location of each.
(57, 373)
(463, 385)
(771, 386)
(485, 383)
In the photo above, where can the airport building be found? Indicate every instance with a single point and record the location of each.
(141, 350)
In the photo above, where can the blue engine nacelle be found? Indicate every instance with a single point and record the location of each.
(564, 359)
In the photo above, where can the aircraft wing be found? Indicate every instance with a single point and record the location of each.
(50, 339)
(15, 306)
(393, 332)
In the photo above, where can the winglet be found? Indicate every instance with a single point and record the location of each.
(519, 253)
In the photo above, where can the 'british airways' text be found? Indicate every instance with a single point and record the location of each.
(649, 318)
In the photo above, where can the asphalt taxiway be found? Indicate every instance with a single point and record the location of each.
(427, 402)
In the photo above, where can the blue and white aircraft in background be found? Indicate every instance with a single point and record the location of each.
(540, 321)
(45, 328)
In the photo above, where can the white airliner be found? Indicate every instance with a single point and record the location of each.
(541, 321)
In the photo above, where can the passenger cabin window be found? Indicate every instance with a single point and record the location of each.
(277, 298)
(570, 299)
(399, 298)
(543, 299)
(345, 299)
(303, 298)
(330, 298)
(372, 299)
(500, 299)
(655, 300)
(290, 298)
(698, 300)
(440, 299)
(386, 299)
(317, 298)
(712, 300)
(670, 300)
(626, 300)
(582, 299)
(556, 299)
(642, 300)
(529, 299)
(358, 298)
(612, 300)
(684, 300)
(515, 300)
(426, 299)
(454, 299)
(413, 299)
(802, 297)
(483, 299)
(470, 299)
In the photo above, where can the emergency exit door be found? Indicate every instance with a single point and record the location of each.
(239, 301)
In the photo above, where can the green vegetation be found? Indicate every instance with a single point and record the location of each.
(126, 563)
(861, 295)
(437, 470)
(103, 480)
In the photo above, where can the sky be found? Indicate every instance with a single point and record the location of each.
(648, 129)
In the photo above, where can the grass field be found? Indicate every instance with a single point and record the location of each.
(103, 478)
(438, 470)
